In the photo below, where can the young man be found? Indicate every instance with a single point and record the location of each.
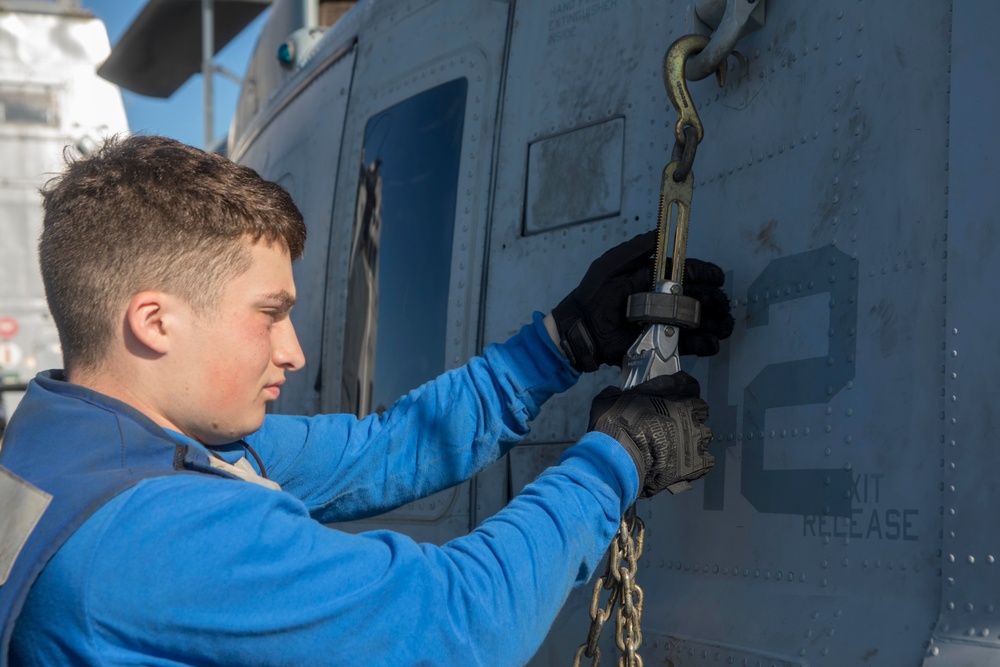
(155, 516)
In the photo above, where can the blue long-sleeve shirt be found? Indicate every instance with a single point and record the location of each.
(188, 569)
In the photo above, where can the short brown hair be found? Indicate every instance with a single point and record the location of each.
(147, 212)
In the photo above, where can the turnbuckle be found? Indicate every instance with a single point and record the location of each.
(665, 310)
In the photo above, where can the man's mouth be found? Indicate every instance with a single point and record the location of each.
(273, 390)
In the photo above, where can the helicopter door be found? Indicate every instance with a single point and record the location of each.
(410, 221)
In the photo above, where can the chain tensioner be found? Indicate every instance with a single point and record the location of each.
(654, 353)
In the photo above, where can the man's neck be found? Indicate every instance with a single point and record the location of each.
(105, 380)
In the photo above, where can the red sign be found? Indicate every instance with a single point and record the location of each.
(8, 327)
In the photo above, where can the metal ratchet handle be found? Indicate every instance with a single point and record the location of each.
(654, 353)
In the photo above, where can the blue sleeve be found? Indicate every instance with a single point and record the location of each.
(189, 570)
(436, 436)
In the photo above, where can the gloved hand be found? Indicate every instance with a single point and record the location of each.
(591, 320)
(660, 423)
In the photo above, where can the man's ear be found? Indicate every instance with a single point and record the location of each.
(153, 320)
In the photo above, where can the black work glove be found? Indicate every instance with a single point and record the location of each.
(593, 329)
(661, 424)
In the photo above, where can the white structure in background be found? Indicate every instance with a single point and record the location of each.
(51, 101)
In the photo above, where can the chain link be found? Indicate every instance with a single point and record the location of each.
(618, 578)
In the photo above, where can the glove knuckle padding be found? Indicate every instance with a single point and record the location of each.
(661, 423)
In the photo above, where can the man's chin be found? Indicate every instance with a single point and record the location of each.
(219, 434)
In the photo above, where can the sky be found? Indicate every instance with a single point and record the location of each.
(180, 116)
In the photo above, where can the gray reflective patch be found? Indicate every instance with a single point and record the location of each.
(23, 505)
(244, 471)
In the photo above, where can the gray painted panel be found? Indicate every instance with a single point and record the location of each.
(588, 157)
(968, 629)
(826, 401)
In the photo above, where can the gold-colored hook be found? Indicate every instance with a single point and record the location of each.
(676, 85)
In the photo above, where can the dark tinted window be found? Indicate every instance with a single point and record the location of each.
(397, 296)
(34, 107)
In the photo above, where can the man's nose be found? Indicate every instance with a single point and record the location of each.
(287, 351)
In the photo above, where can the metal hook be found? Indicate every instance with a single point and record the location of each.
(673, 80)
